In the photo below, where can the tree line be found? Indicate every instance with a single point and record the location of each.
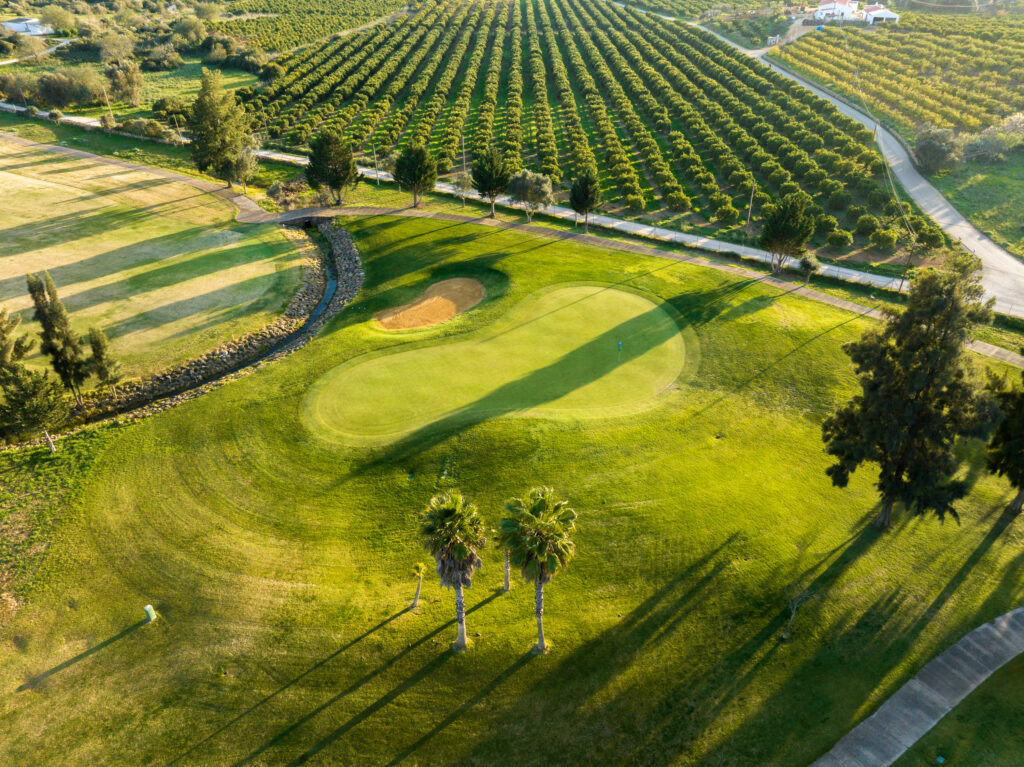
(33, 402)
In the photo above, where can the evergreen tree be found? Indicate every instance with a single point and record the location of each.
(126, 81)
(490, 175)
(102, 362)
(331, 163)
(58, 341)
(1006, 448)
(220, 128)
(243, 167)
(33, 403)
(916, 397)
(585, 194)
(416, 169)
(12, 348)
(787, 226)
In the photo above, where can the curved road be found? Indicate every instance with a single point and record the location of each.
(1002, 273)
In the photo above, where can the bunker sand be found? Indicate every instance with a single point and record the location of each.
(439, 303)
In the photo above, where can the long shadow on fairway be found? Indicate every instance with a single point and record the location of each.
(572, 371)
(327, 659)
(369, 676)
(66, 228)
(651, 721)
(484, 691)
(35, 681)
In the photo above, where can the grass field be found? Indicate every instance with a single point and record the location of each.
(280, 561)
(162, 267)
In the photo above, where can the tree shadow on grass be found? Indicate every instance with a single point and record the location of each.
(478, 697)
(66, 228)
(37, 680)
(369, 676)
(572, 371)
(649, 722)
(266, 699)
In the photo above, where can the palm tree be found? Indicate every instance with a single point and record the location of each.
(418, 570)
(452, 531)
(537, 533)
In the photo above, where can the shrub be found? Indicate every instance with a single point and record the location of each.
(56, 115)
(884, 239)
(856, 211)
(726, 214)
(634, 202)
(31, 112)
(840, 238)
(839, 199)
(867, 224)
(825, 224)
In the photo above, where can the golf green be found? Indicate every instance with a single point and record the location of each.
(556, 353)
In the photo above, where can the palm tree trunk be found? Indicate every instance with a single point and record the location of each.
(508, 564)
(49, 441)
(538, 610)
(1017, 503)
(884, 518)
(492, 207)
(460, 617)
(416, 599)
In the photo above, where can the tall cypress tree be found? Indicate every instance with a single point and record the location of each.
(220, 128)
(102, 362)
(58, 340)
(916, 396)
(416, 169)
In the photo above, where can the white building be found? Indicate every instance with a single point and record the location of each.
(836, 10)
(879, 14)
(26, 26)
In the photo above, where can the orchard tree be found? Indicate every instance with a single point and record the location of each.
(585, 194)
(220, 128)
(538, 534)
(331, 163)
(1006, 447)
(58, 341)
(916, 396)
(453, 532)
(490, 175)
(787, 225)
(532, 190)
(417, 170)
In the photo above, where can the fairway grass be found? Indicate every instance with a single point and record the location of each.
(161, 266)
(557, 353)
(280, 562)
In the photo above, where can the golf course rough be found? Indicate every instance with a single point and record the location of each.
(555, 354)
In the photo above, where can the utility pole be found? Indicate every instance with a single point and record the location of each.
(109, 110)
(463, 153)
(376, 171)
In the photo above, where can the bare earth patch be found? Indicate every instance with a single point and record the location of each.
(439, 303)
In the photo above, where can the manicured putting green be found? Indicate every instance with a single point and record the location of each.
(556, 353)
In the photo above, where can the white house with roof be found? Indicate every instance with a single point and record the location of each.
(27, 26)
(836, 10)
(879, 14)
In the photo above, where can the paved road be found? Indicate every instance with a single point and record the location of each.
(934, 691)
(61, 44)
(1002, 273)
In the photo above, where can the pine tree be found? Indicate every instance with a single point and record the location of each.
(58, 341)
(916, 397)
(12, 348)
(33, 403)
(490, 175)
(585, 194)
(331, 163)
(1006, 447)
(787, 226)
(416, 169)
(220, 128)
(102, 363)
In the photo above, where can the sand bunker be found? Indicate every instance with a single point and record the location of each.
(441, 301)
